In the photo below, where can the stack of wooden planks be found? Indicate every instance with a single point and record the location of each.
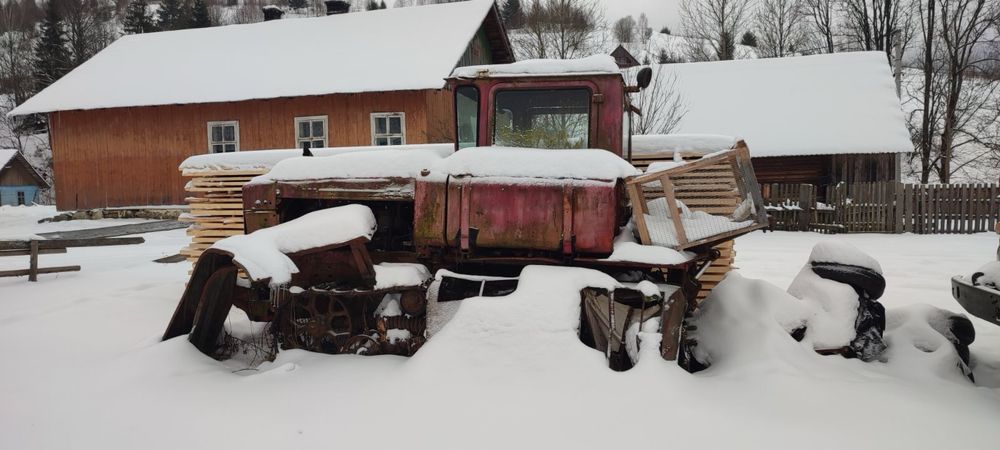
(720, 205)
(216, 202)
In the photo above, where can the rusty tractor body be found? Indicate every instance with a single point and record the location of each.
(466, 223)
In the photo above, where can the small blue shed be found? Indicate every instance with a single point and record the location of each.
(19, 181)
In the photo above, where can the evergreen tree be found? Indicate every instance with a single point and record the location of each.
(298, 4)
(171, 16)
(372, 5)
(138, 19)
(749, 39)
(512, 14)
(665, 30)
(52, 59)
(199, 15)
(381, 4)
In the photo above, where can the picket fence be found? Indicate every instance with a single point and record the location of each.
(885, 207)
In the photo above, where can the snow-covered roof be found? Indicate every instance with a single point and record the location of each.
(808, 105)
(382, 50)
(596, 64)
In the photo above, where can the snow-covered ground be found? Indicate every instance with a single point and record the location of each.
(84, 368)
(21, 222)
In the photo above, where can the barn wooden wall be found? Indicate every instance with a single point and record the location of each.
(129, 156)
(824, 170)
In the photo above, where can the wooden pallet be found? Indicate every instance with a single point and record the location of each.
(216, 202)
(712, 188)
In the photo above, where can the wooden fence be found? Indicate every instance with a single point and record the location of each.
(887, 207)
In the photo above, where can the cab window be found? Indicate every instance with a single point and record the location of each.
(542, 118)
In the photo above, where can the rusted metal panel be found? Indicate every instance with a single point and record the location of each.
(349, 189)
(429, 214)
(529, 215)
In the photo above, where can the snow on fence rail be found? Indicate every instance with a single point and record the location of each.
(884, 207)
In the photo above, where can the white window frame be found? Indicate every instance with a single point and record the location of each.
(326, 130)
(387, 135)
(236, 130)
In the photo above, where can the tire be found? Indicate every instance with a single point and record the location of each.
(866, 282)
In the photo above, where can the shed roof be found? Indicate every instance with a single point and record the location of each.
(843, 103)
(10, 157)
(383, 50)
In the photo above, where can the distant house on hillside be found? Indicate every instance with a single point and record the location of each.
(20, 183)
(819, 119)
(623, 58)
(122, 122)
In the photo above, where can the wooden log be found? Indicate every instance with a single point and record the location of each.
(41, 251)
(67, 243)
(38, 271)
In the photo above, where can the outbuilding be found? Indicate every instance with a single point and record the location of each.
(821, 119)
(122, 122)
(20, 183)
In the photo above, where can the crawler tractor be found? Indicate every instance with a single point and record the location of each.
(496, 201)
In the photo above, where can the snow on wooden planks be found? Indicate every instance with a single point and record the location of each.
(689, 188)
(216, 202)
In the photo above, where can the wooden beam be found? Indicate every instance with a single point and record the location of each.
(44, 251)
(66, 243)
(39, 271)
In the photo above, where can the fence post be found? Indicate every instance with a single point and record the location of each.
(33, 262)
(898, 201)
(804, 207)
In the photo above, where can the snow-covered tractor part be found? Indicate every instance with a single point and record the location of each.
(314, 281)
(538, 175)
(979, 292)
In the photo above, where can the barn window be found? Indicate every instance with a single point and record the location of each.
(223, 137)
(388, 128)
(310, 132)
(20, 197)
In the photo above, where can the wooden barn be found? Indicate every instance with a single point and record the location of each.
(122, 122)
(20, 183)
(819, 119)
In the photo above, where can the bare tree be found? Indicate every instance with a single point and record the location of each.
(780, 28)
(964, 24)
(821, 17)
(644, 30)
(875, 24)
(661, 105)
(714, 26)
(16, 50)
(248, 12)
(89, 27)
(561, 29)
(624, 30)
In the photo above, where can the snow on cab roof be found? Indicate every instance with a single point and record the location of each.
(383, 50)
(596, 64)
(808, 105)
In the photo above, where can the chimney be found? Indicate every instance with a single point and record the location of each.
(337, 7)
(272, 12)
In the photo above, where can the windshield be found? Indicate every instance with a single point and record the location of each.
(542, 118)
(467, 115)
